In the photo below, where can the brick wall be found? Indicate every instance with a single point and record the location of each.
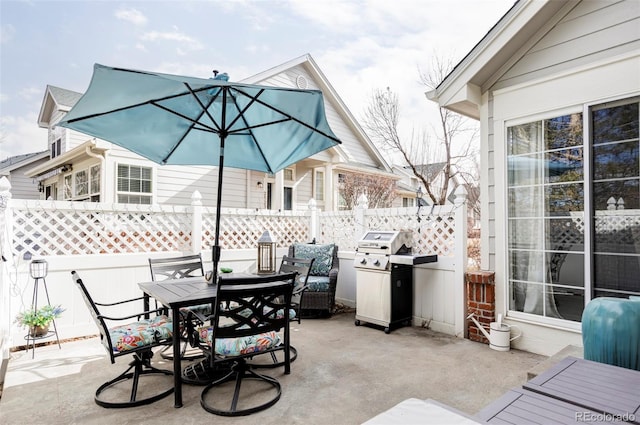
(481, 300)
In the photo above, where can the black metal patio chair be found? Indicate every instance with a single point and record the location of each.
(150, 329)
(301, 266)
(249, 314)
(178, 268)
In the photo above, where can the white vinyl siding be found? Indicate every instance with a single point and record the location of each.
(592, 31)
(176, 184)
(23, 187)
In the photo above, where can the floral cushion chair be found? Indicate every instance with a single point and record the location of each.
(137, 336)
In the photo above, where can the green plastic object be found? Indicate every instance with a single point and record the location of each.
(611, 331)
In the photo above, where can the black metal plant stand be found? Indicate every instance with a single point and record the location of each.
(38, 270)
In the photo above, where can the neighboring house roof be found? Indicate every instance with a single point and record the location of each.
(505, 44)
(429, 171)
(331, 96)
(405, 187)
(56, 98)
(17, 161)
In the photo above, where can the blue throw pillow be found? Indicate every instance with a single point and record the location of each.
(323, 255)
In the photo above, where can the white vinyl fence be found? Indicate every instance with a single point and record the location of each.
(109, 246)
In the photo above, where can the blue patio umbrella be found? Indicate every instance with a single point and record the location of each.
(181, 120)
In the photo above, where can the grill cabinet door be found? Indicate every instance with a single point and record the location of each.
(373, 296)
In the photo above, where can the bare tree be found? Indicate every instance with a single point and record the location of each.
(380, 191)
(421, 148)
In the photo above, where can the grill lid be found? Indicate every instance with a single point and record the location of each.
(385, 242)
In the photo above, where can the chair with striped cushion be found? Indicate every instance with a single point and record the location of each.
(148, 330)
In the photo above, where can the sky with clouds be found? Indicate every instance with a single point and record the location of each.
(360, 46)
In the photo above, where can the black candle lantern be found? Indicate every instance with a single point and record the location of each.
(266, 254)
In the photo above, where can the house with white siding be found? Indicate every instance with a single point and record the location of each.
(83, 168)
(14, 169)
(555, 86)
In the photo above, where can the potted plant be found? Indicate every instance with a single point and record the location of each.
(38, 320)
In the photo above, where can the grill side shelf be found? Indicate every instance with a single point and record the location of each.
(413, 259)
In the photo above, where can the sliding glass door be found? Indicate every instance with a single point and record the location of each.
(573, 210)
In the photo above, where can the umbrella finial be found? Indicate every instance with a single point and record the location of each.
(215, 72)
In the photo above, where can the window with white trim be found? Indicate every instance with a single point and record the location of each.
(56, 148)
(81, 188)
(94, 180)
(408, 202)
(134, 184)
(67, 193)
(288, 174)
(318, 185)
(83, 185)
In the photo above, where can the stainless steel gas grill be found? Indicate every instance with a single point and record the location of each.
(384, 278)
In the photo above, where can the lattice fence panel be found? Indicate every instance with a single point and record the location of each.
(618, 230)
(241, 228)
(72, 228)
(339, 227)
(67, 228)
(434, 233)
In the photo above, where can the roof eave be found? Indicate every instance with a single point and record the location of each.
(461, 90)
(79, 152)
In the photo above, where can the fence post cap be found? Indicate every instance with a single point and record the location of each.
(461, 194)
(196, 198)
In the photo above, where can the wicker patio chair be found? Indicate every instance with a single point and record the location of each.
(320, 294)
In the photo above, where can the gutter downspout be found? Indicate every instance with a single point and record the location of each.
(90, 153)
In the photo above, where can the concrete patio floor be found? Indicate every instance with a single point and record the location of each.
(344, 374)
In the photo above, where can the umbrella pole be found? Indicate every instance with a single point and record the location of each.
(223, 136)
(215, 254)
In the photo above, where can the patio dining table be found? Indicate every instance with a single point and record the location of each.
(178, 293)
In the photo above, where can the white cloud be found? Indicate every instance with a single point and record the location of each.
(29, 93)
(339, 16)
(131, 15)
(187, 42)
(6, 33)
(19, 135)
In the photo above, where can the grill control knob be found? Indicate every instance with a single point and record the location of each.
(363, 261)
(376, 263)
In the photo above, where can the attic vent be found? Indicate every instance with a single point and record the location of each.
(301, 82)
